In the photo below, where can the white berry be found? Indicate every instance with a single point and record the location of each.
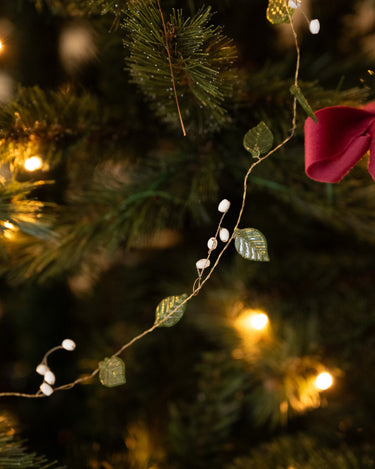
(46, 389)
(50, 378)
(42, 369)
(203, 264)
(314, 26)
(224, 235)
(294, 4)
(68, 344)
(224, 206)
(212, 244)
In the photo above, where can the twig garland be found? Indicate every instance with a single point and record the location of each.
(200, 281)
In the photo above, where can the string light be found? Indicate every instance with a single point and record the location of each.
(10, 230)
(254, 320)
(324, 381)
(76, 46)
(9, 225)
(33, 163)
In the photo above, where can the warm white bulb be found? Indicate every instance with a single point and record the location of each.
(259, 321)
(252, 320)
(324, 381)
(1, 45)
(33, 163)
(9, 225)
(76, 46)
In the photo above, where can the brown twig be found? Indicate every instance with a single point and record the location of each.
(171, 69)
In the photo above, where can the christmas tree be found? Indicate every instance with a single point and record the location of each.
(177, 213)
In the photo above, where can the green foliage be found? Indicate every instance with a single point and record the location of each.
(14, 453)
(81, 7)
(169, 312)
(296, 91)
(283, 374)
(122, 206)
(201, 57)
(121, 179)
(303, 452)
(251, 244)
(24, 213)
(347, 208)
(258, 140)
(53, 115)
(112, 372)
(278, 11)
(199, 430)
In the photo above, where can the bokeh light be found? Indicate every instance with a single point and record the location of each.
(33, 163)
(324, 381)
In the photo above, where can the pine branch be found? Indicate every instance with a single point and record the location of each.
(20, 213)
(303, 452)
(199, 430)
(201, 58)
(347, 207)
(52, 115)
(266, 93)
(81, 7)
(123, 207)
(14, 453)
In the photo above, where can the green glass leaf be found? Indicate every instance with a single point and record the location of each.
(170, 307)
(251, 244)
(112, 372)
(277, 11)
(258, 140)
(296, 91)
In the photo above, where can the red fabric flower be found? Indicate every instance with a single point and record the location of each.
(339, 139)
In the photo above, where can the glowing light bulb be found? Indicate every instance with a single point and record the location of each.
(324, 381)
(10, 231)
(252, 320)
(259, 321)
(33, 163)
(1, 45)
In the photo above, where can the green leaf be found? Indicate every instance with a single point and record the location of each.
(168, 311)
(251, 244)
(277, 11)
(296, 91)
(258, 140)
(112, 372)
